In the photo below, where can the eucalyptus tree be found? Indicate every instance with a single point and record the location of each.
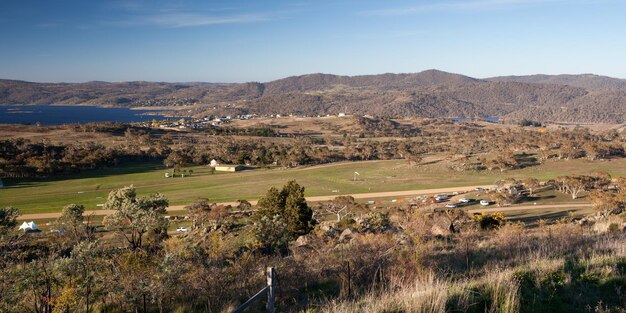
(134, 217)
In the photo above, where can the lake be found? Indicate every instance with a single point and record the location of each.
(64, 114)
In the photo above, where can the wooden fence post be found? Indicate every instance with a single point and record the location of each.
(271, 277)
(270, 289)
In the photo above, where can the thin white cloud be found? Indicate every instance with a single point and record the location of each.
(176, 20)
(180, 14)
(468, 5)
(179, 20)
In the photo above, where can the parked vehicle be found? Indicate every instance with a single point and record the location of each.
(440, 198)
(451, 205)
(465, 200)
(182, 229)
(485, 202)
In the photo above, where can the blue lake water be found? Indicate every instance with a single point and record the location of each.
(60, 114)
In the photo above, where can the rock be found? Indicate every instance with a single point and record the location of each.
(403, 239)
(325, 226)
(346, 234)
(302, 241)
(439, 231)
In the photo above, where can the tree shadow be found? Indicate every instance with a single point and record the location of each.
(126, 168)
(525, 160)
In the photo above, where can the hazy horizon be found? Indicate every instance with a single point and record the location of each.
(242, 41)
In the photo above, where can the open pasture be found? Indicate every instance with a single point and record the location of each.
(91, 188)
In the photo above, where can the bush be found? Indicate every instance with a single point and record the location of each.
(345, 223)
(272, 234)
(490, 221)
(376, 222)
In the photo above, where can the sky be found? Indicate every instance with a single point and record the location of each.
(239, 41)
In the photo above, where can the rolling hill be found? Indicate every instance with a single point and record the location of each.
(587, 81)
(432, 93)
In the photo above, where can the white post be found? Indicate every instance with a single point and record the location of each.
(271, 289)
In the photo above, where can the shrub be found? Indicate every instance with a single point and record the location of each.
(345, 223)
(376, 222)
(272, 234)
(490, 221)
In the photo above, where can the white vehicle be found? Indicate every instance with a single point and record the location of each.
(465, 200)
(182, 229)
(485, 202)
(479, 189)
(451, 205)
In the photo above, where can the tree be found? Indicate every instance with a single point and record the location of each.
(503, 197)
(135, 217)
(244, 205)
(574, 185)
(8, 219)
(531, 184)
(199, 212)
(72, 220)
(606, 201)
(272, 233)
(286, 206)
(83, 268)
(620, 184)
(413, 160)
(340, 206)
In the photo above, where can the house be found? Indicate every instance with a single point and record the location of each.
(29, 227)
(229, 168)
(213, 163)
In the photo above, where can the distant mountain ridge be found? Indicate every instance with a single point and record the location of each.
(431, 93)
(319, 81)
(588, 81)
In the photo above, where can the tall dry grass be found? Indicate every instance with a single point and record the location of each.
(499, 292)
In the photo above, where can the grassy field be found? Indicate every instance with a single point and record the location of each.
(91, 189)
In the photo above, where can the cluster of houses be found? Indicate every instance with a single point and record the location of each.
(187, 123)
(194, 123)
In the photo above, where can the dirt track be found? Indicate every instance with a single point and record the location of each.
(372, 195)
(530, 207)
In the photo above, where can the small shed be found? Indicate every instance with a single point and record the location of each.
(229, 168)
(213, 163)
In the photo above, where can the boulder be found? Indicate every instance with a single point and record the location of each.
(346, 234)
(403, 239)
(326, 226)
(439, 231)
(302, 241)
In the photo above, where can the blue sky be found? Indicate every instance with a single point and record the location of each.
(237, 41)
